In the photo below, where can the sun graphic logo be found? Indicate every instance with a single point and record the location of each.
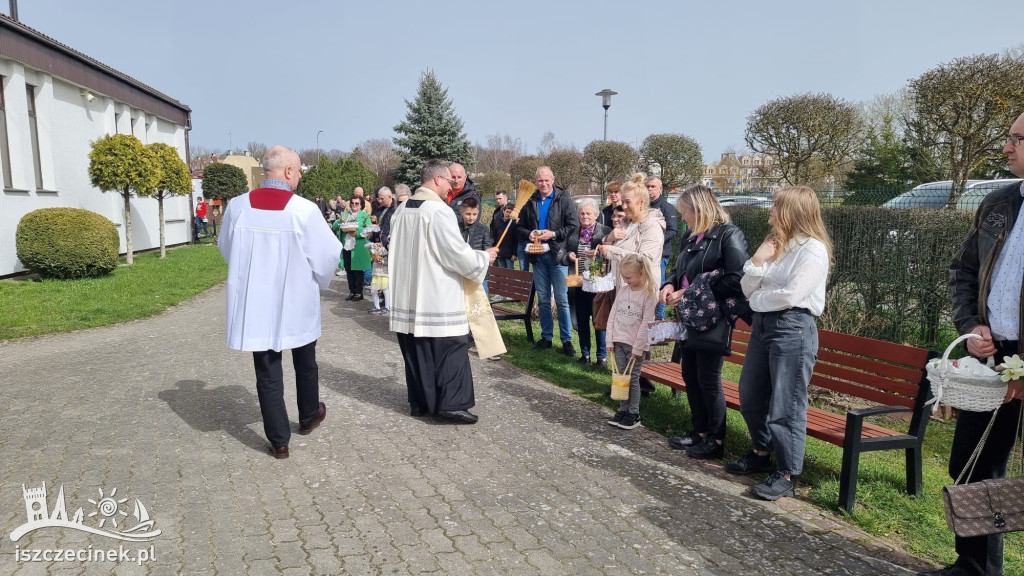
(107, 507)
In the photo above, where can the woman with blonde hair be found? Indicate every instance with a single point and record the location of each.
(785, 283)
(713, 251)
(644, 235)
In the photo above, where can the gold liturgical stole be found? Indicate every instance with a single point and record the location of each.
(482, 324)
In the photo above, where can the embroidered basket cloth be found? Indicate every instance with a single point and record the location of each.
(965, 384)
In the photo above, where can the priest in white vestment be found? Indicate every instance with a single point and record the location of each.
(429, 260)
(280, 254)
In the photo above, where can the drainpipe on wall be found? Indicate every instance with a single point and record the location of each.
(14, 10)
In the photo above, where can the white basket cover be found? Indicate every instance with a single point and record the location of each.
(370, 230)
(965, 384)
(604, 283)
(664, 330)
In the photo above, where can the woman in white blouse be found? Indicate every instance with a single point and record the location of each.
(785, 283)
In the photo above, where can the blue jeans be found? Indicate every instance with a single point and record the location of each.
(548, 275)
(584, 314)
(368, 277)
(773, 385)
(659, 312)
(524, 259)
(505, 263)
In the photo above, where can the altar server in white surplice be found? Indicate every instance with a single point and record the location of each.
(427, 266)
(280, 254)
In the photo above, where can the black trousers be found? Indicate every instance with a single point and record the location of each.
(270, 390)
(702, 373)
(437, 372)
(983, 555)
(356, 278)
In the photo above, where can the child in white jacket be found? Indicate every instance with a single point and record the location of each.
(635, 303)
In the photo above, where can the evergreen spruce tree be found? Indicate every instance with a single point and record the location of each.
(431, 129)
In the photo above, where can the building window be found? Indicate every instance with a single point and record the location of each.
(5, 155)
(34, 133)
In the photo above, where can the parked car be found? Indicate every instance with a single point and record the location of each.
(975, 193)
(756, 201)
(931, 196)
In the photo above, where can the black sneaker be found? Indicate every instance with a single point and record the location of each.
(629, 421)
(750, 463)
(684, 442)
(617, 418)
(774, 487)
(708, 449)
(568, 350)
(542, 344)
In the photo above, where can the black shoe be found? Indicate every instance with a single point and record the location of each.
(601, 363)
(774, 487)
(708, 449)
(568, 350)
(614, 421)
(684, 442)
(750, 463)
(542, 344)
(583, 360)
(459, 416)
(629, 421)
(357, 297)
(416, 411)
(350, 297)
(947, 571)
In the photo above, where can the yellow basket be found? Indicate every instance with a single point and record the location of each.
(620, 380)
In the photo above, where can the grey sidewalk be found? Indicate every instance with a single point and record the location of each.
(163, 412)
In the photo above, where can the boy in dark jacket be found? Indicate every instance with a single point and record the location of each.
(476, 233)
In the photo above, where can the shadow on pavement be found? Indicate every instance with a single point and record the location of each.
(228, 408)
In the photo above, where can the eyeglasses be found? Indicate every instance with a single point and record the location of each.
(449, 180)
(1014, 140)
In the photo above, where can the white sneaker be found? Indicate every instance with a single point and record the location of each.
(340, 273)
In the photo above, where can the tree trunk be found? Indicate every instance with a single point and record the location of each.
(129, 257)
(163, 245)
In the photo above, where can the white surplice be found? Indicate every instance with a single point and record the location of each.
(278, 261)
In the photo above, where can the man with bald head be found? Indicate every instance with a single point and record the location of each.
(550, 218)
(987, 279)
(462, 188)
(280, 254)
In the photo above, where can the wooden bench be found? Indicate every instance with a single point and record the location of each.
(510, 285)
(889, 375)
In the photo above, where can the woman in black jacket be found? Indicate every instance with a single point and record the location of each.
(591, 234)
(713, 243)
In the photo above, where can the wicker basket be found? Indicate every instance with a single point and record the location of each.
(621, 380)
(596, 284)
(574, 280)
(965, 384)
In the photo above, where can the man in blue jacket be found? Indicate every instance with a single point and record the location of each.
(550, 217)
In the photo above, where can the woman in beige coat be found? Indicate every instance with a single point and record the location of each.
(644, 235)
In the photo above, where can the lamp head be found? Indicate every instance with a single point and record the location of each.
(606, 97)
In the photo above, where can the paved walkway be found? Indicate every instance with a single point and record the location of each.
(162, 412)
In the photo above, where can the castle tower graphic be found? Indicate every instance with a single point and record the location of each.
(35, 503)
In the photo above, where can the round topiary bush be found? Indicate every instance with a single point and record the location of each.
(67, 243)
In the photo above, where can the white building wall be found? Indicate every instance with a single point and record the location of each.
(67, 125)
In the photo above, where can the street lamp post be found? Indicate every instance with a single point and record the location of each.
(606, 103)
(319, 132)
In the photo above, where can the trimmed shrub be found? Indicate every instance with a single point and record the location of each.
(67, 243)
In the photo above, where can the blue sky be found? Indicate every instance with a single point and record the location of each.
(280, 72)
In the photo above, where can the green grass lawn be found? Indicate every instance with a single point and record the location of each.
(883, 508)
(32, 307)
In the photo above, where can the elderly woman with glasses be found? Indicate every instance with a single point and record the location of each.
(355, 258)
(572, 252)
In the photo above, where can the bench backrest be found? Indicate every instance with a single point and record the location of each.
(881, 372)
(510, 283)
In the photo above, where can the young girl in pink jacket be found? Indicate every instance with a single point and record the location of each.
(634, 307)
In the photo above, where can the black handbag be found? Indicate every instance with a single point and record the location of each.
(714, 340)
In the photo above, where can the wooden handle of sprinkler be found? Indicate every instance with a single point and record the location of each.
(498, 244)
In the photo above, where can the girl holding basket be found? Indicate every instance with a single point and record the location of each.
(635, 302)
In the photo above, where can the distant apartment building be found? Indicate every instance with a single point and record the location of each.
(54, 102)
(733, 173)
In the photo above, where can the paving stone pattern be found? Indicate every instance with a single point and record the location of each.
(161, 410)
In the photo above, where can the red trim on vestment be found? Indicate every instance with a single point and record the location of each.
(269, 198)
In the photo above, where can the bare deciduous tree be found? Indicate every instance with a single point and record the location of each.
(963, 109)
(812, 136)
(379, 156)
(257, 149)
(498, 153)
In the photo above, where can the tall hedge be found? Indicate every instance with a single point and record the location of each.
(889, 279)
(67, 243)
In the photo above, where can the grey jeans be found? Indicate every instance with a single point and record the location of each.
(773, 385)
(623, 352)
